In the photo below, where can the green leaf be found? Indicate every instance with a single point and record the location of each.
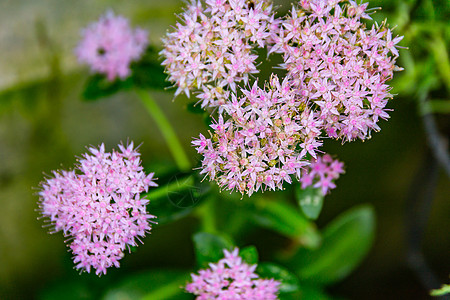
(209, 247)
(249, 254)
(310, 201)
(290, 288)
(98, 86)
(345, 243)
(285, 219)
(444, 290)
(289, 281)
(154, 284)
(148, 73)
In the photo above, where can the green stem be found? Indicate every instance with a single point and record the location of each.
(166, 129)
(176, 186)
(207, 215)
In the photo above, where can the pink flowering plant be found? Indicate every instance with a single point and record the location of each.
(212, 48)
(265, 143)
(338, 64)
(98, 206)
(232, 278)
(110, 45)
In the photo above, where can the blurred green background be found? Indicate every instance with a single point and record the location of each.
(44, 125)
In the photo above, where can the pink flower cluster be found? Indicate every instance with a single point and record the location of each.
(99, 207)
(338, 64)
(211, 49)
(257, 146)
(232, 279)
(321, 173)
(110, 45)
(335, 87)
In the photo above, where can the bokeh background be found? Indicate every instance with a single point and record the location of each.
(44, 124)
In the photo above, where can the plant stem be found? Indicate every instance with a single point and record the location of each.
(207, 215)
(166, 129)
(173, 187)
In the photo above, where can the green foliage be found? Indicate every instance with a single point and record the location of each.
(154, 284)
(285, 219)
(209, 247)
(87, 286)
(426, 62)
(176, 197)
(444, 290)
(98, 86)
(249, 254)
(289, 281)
(147, 73)
(310, 201)
(346, 241)
(70, 290)
(306, 292)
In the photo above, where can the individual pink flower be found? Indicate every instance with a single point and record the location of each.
(321, 173)
(211, 49)
(260, 140)
(98, 207)
(110, 45)
(338, 64)
(231, 278)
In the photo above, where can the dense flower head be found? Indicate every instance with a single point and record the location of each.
(98, 206)
(110, 45)
(338, 64)
(262, 141)
(211, 48)
(231, 278)
(321, 173)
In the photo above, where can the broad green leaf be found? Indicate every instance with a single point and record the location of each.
(154, 284)
(310, 201)
(285, 219)
(289, 281)
(209, 247)
(345, 243)
(249, 254)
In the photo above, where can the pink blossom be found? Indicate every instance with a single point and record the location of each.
(211, 49)
(321, 173)
(98, 207)
(110, 45)
(257, 142)
(338, 64)
(232, 278)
